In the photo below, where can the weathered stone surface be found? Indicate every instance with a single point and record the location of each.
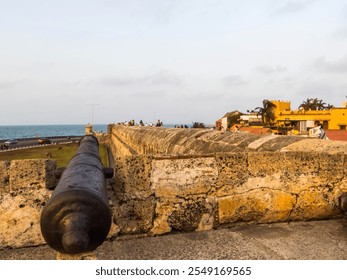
(209, 219)
(260, 205)
(20, 212)
(276, 144)
(184, 214)
(272, 182)
(341, 186)
(253, 177)
(119, 147)
(261, 164)
(135, 216)
(182, 177)
(32, 172)
(316, 203)
(4, 176)
(306, 170)
(154, 140)
(329, 162)
(187, 217)
(22, 201)
(133, 177)
(77, 257)
(232, 172)
(255, 145)
(163, 209)
(317, 146)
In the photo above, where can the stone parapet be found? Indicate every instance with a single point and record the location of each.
(189, 179)
(133, 140)
(199, 193)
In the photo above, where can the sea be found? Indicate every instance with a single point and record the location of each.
(35, 131)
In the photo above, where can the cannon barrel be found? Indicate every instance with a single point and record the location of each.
(77, 218)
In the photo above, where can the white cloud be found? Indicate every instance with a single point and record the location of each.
(7, 84)
(267, 69)
(164, 78)
(340, 33)
(291, 6)
(234, 80)
(201, 58)
(159, 78)
(336, 66)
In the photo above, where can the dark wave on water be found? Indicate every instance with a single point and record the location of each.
(32, 131)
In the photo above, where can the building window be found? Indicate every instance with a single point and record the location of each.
(325, 125)
(342, 127)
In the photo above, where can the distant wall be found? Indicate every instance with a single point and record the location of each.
(186, 179)
(173, 141)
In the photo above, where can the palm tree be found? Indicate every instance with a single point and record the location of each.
(320, 105)
(306, 105)
(267, 111)
(314, 104)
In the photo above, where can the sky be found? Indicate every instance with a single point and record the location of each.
(180, 61)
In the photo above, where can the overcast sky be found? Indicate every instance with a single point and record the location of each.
(177, 60)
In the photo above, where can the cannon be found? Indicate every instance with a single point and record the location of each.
(77, 217)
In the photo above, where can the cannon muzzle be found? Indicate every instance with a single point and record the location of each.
(77, 218)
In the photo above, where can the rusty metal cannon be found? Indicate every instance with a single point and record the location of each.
(77, 218)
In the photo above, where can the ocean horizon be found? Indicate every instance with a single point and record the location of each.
(34, 131)
(51, 130)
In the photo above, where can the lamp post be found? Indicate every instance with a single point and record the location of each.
(93, 105)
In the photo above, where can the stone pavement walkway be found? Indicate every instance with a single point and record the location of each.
(314, 240)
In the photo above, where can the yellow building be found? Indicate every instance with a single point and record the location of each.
(301, 120)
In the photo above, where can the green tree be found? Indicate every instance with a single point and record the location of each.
(267, 112)
(314, 104)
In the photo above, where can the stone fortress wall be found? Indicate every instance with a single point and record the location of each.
(169, 180)
(190, 179)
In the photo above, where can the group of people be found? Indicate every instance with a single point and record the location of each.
(141, 123)
(181, 126)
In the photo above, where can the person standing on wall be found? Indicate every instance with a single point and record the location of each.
(318, 131)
